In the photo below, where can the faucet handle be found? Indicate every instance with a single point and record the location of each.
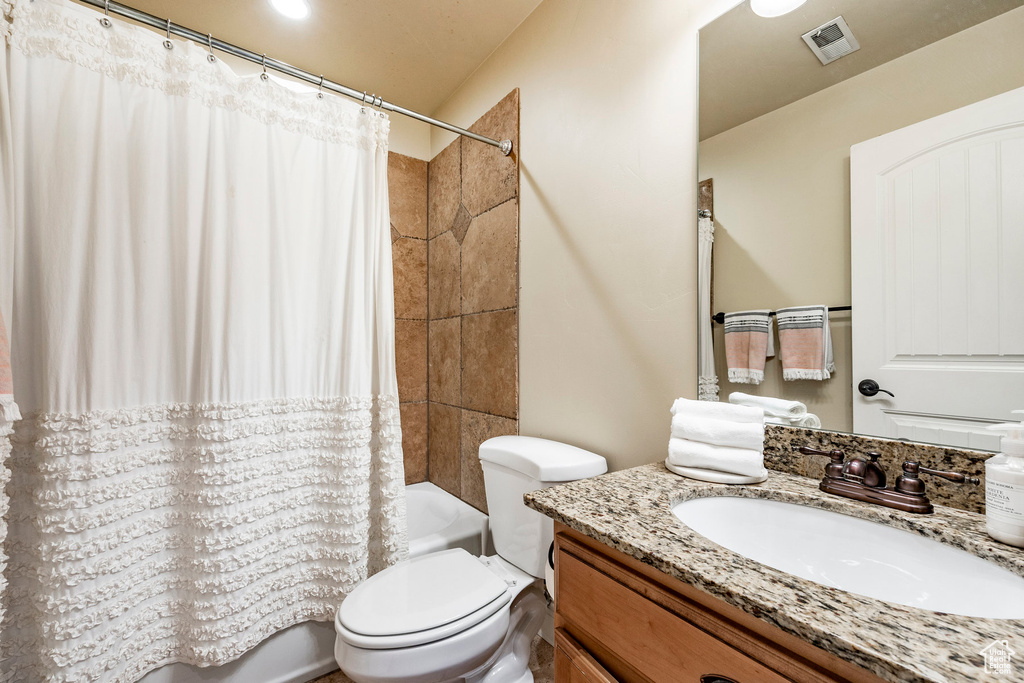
(910, 481)
(955, 477)
(834, 469)
(834, 453)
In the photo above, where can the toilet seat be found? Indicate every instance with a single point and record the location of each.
(423, 600)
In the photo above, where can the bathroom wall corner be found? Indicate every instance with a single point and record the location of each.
(407, 191)
(473, 301)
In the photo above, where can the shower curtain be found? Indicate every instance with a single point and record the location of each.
(708, 381)
(202, 338)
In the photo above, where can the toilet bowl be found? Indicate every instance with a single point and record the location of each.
(451, 616)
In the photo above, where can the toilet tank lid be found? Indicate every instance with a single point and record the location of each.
(542, 459)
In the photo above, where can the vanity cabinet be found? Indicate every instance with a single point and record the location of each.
(618, 619)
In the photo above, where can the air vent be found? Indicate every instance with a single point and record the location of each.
(831, 40)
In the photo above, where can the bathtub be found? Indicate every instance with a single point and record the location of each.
(437, 521)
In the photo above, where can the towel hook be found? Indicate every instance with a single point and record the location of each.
(105, 19)
(320, 92)
(209, 43)
(264, 76)
(167, 43)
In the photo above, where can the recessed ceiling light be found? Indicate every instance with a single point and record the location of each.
(774, 8)
(293, 9)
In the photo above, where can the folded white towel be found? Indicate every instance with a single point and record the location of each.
(774, 407)
(717, 411)
(718, 432)
(745, 461)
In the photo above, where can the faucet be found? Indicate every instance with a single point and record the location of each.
(864, 479)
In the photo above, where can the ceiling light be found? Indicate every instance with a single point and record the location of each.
(293, 9)
(774, 8)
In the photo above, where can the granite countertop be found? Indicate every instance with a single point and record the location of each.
(631, 511)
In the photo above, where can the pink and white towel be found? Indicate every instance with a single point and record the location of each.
(749, 340)
(805, 343)
(8, 408)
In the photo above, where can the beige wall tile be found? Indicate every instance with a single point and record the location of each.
(488, 177)
(411, 359)
(490, 260)
(444, 188)
(414, 441)
(490, 363)
(461, 223)
(477, 428)
(445, 277)
(407, 191)
(445, 374)
(473, 268)
(443, 439)
(409, 259)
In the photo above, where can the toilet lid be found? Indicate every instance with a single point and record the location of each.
(421, 594)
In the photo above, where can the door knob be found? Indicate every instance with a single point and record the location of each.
(869, 387)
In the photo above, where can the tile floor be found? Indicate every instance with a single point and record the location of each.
(542, 664)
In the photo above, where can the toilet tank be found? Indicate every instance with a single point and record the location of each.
(515, 465)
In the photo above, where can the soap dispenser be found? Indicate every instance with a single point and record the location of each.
(1004, 486)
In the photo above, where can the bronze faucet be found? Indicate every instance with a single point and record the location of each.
(865, 480)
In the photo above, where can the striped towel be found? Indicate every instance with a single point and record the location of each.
(805, 342)
(749, 340)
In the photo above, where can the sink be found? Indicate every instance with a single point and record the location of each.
(857, 556)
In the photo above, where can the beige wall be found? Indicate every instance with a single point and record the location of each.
(607, 215)
(782, 201)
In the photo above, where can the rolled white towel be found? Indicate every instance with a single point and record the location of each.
(718, 432)
(774, 407)
(745, 461)
(808, 420)
(717, 411)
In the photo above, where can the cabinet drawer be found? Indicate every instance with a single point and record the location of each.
(657, 644)
(573, 664)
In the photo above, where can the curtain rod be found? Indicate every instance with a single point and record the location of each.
(277, 65)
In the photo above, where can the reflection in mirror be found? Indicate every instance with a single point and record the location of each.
(887, 179)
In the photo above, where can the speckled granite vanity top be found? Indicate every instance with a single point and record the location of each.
(631, 511)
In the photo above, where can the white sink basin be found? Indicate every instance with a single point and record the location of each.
(857, 556)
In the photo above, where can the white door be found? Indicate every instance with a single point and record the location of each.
(938, 275)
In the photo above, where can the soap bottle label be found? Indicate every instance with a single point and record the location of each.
(1004, 502)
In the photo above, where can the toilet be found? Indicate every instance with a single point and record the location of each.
(451, 616)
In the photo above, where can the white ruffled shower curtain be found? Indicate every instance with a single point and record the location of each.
(202, 331)
(708, 381)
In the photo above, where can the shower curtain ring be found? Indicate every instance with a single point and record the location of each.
(105, 19)
(320, 93)
(264, 76)
(209, 43)
(167, 43)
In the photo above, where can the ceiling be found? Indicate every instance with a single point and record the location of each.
(750, 65)
(410, 52)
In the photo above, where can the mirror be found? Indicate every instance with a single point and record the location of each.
(887, 180)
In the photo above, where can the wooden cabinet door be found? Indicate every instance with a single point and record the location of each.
(573, 664)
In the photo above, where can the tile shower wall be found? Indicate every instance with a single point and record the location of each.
(407, 188)
(473, 301)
